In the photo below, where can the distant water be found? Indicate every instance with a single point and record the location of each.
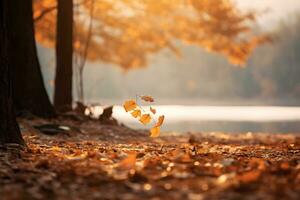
(219, 118)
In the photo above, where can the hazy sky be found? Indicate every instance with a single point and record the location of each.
(277, 9)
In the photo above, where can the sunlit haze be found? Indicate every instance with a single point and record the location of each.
(150, 99)
(273, 10)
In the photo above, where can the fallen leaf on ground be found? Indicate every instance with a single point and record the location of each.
(248, 177)
(128, 162)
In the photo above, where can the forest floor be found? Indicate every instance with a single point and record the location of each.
(96, 161)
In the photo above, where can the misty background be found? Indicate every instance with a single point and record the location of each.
(270, 78)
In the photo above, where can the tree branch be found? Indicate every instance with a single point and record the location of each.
(44, 12)
(50, 9)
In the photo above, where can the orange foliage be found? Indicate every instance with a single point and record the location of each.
(126, 32)
(45, 21)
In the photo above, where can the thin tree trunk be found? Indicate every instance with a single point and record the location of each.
(81, 93)
(64, 55)
(9, 130)
(29, 92)
(85, 51)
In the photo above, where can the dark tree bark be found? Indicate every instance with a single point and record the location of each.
(64, 56)
(29, 92)
(9, 130)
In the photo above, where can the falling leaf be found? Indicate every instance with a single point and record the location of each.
(145, 119)
(136, 113)
(160, 120)
(129, 105)
(153, 110)
(154, 132)
(147, 98)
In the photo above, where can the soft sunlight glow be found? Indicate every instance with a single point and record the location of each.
(273, 10)
(176, 113)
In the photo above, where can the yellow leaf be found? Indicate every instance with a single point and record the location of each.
(160, 120)
(154, 132)
(129, 105)
(145, 119)
(147, 98)
(136, 113)
(152, 110)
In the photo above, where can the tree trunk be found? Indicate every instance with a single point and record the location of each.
(64, 56)
(9, 130)
(29, 92)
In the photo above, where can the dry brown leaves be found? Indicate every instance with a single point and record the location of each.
(210, 167)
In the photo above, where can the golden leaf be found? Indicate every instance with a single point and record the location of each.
(147, 98)
(145, 119)
(160, 120)
(129, 105)
(136, 113)
(153, 110)
(154, 132)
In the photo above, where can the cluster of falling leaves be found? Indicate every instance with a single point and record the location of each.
(145, 117)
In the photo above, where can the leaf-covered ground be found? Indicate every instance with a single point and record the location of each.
(94, 161)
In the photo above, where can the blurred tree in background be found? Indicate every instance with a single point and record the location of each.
(127, 32)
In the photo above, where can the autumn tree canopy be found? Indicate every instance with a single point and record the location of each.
(126, 32)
